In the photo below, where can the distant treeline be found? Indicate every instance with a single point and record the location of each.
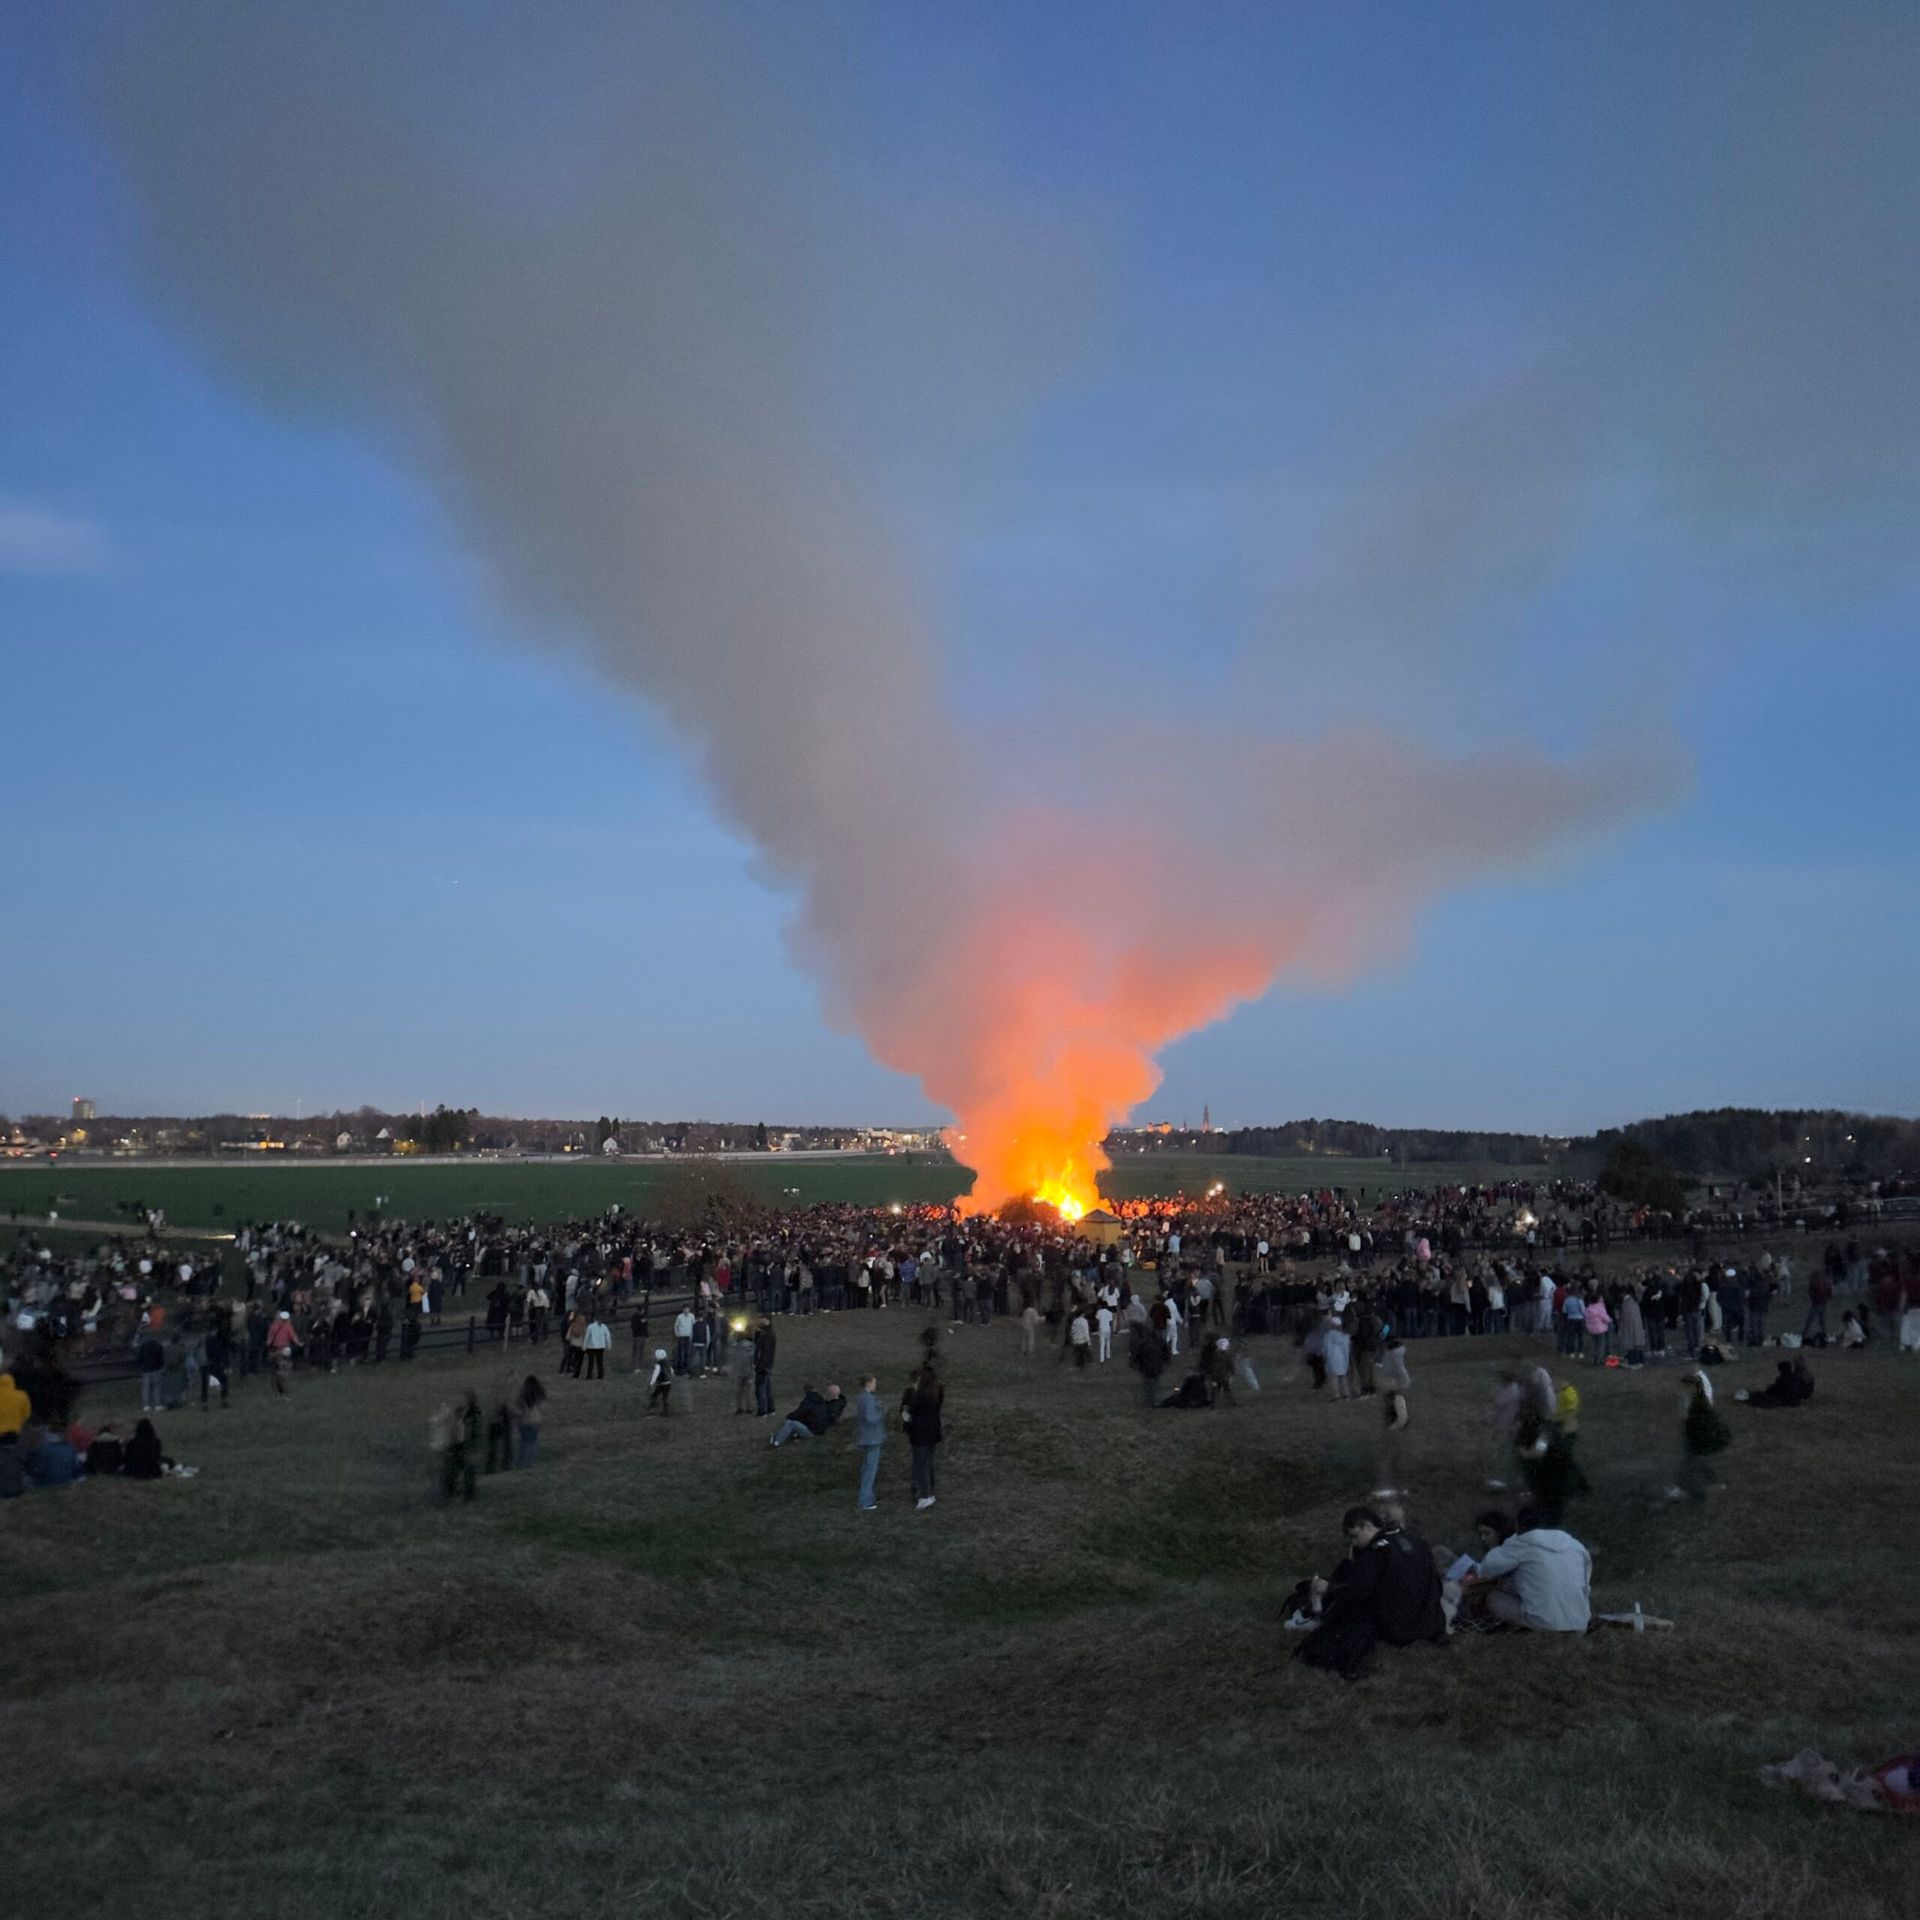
(442, 1129)
(1726, 1143)
(1362, 1141)
(1749, 1143)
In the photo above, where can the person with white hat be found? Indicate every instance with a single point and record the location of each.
(660, 1384)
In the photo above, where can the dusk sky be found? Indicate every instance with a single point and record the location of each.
(1389, 386)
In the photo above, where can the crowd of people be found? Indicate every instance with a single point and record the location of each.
(1178, 1296)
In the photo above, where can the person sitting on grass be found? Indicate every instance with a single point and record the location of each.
(145, 1460)
(1385, 1589)
(1539, 1578)
(1464, 1603)
(1190, 1394)
(812, 1417)
(106, 1452)
(52, 1460)
(1792, 1386)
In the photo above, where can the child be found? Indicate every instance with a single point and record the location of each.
(660, 1384)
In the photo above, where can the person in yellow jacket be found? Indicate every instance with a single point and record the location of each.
(15, 1408)
(1567, 1406)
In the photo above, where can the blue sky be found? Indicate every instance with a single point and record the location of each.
(297, 813)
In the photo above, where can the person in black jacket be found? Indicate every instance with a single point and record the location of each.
(1792, 1387)
(145, 1460)
(812, 1417)
(1386, 1589)
(764, 1344)
(216, 1368)
(920, 1407)
(1150, 1361)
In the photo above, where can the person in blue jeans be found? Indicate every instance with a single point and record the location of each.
(869, 1435)
(812, 1417)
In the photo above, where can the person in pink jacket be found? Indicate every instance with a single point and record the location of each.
(1599, 1325)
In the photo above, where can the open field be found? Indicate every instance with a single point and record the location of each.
(321, 1193)
(669, 1670)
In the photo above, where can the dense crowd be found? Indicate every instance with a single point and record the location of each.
(1173, 1290)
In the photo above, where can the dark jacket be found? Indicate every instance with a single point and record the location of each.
(817, 1413)
(1407, 1597)
(922, 1406)
(144, 1458)
(763, 1346)
(1387, 1590)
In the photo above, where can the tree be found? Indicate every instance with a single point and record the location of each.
(1633, 1174)
(760, 1143)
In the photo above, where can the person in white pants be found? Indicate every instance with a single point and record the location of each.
(1103, 1320)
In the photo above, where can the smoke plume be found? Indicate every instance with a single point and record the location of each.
(614, 374)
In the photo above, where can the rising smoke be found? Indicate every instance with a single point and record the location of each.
(609, 373)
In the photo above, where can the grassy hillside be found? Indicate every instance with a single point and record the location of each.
(672, 1671)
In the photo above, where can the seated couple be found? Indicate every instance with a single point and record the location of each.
(1529, 1575)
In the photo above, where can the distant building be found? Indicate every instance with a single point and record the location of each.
(83, 1109)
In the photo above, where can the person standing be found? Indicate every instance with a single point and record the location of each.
(281, 1341)
(683, 1340)
(216, 1368)
(1396, 1383)
(1337, 1352)
(1704, 1435)
(527, 1407)
(660, 1384)
(1819, 1292)
(1149, 1360)
(463, 1439)
(150, 1354)
(740, 1367)
(1080, 1336)
(763, 1352)
(593, 1345)
(921, 1408)
(869, 1435)
(1598, 1323)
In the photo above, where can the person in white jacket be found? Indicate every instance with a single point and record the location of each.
(1540, 1579)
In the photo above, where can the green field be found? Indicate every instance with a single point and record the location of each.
(671, 1672)
(321, 1193)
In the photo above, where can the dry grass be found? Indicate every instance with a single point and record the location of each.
(671, 1670)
